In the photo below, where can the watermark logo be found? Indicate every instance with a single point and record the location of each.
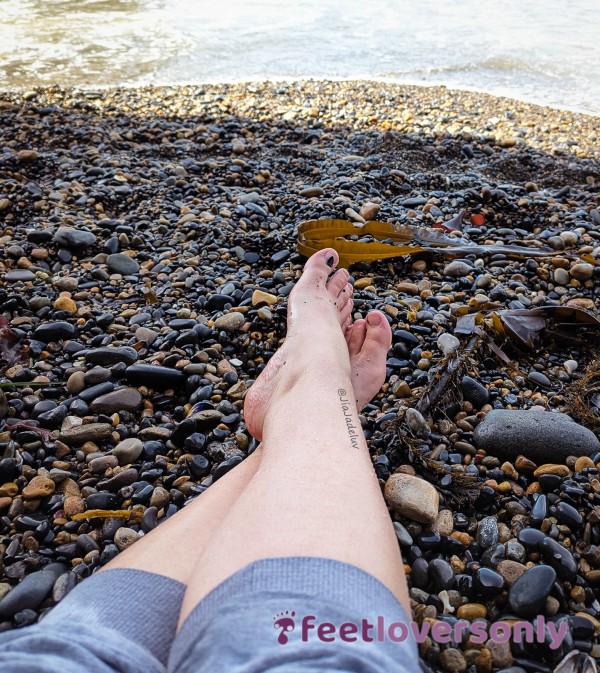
(380, 631)
(284, 621)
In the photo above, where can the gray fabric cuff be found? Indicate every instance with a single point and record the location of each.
(139, 605)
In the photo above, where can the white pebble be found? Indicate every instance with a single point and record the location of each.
(447, 343)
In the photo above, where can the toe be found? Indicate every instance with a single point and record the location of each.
(320, 265)
(346, 311)
(347, 291)
(379, 332)
(338, 282)
(356, 337)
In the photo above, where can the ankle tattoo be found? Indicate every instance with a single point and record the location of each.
(347, 409)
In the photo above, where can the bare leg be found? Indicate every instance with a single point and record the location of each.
(174, 547)
(315, 492)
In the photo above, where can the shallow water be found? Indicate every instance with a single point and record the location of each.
(545, 51)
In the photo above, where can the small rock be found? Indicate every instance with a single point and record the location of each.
(457, 269)
(128, 450)
(121, 399)
(510, 571)
(582, 271)
(412, 497)
(68, 237)
(123, 264)
(27, 156)
(125, 537)
(76, 383)
(416, 423)
(230, 322)
(309, 192)
(487, 532)
(368, 211)
(39, 487)
(31, 590)
(561, 276)
(106, 356)
(260, 297)
(528, 594)
(474, 392)
(447, 343)
(453, 660)
(91, 432)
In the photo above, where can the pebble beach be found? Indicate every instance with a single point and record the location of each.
(148, 248)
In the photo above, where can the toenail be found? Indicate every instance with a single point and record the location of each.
(373, 319)
(330, 261)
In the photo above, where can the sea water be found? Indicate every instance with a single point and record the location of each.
(543, 51)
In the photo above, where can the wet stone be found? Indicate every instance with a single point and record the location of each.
(528, 594)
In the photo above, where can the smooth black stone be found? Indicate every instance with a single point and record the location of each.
(560, 558)
(407, 337)
(107, 356)
(427, 541)
(54, 417)
(195, 442)
(102, 501)
(550, 482)
(530, 538)
(568, 515)
(528, 594)
(8, 470)
(488, 582)
(182, 431)
(404, 537)
(181, 324)
(199, 466)
(149, 519)
(154, 376)
(54, 331)
(582, 628)
(225, 466)
(419, 574)
(474, 392)
(92, 393)
(31, 590)
(539, 511)
(442, 574)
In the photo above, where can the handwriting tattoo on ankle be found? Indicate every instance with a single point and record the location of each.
(347, 409)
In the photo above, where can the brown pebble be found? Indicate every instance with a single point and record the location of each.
(523, 464)
(472, 611)
(39, 487)
(552, 468)
(583, 462)
(510, 571)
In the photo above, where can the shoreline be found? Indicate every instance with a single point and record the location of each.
(137, 225)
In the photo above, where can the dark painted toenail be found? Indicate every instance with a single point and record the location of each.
(330, 261)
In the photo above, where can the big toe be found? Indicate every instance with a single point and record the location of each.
(379, 333)
(320, 265)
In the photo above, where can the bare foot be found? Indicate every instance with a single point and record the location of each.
(317, 308)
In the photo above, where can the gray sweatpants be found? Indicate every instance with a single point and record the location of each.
(279, 615)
